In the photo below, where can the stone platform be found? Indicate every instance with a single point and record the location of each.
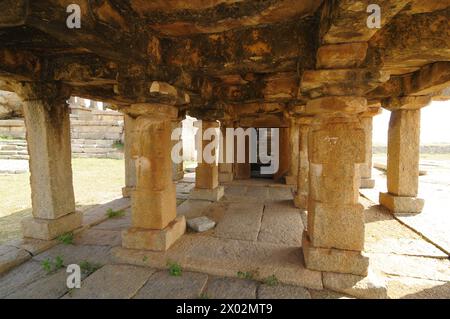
(257, 235)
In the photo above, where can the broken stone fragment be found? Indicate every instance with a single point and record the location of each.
(201, 224)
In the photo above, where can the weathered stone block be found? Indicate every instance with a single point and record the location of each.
(338, 56)
(11, 257)
(291, 180)
(402, 204)
(153, 209)
(334, 260)
(367, 183)
(154, 239)
(225, 177)
(213, 195)
(201, 224)
(336, 226)
(48, 229)
(206, 176)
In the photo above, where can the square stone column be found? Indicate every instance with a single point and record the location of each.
(366, 168)
(403, 156)
(47, 119)
(335, 237)
(177, 168)
(130, 166)
(225, 169)
(301, 196)
(207, 170)
(294, 135)
(155, 225)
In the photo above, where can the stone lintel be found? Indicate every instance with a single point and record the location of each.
(213, 195)
(335, 105)
(48, 229)
(406, 103)
(343, 55)
(154, 110)
(401, 204)
(334, 260)
(154, 239)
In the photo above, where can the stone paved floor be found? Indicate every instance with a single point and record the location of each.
(8, 166)
(258, 235)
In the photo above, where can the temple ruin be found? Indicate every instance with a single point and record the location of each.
(313, 69)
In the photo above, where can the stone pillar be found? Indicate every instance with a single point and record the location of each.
(291, 178)
(366, 168)
(403, 157)
(207, 174)
(130, 166)
(155, 225)
(177, 168)
(47, 119)
(301, 196)
(225, 169)
(335, 237)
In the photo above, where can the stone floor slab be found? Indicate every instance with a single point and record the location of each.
(52, 286)
(112, 282)
(414, 288)
(281, 224)
(99, 237)
(283, 292)
(75, 254)
(162, 285)
(192, 208)
(226, 257)
(116, 223)
(230, 288)
(20, 277)
(241, 221)
(97, 214)
(11, 257)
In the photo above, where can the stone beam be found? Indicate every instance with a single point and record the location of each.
(344, 21)
(105, 30)
(19, 65)
(412, 41)
(277, 87)
(12, 12)
(259, 49)
(182, 18)
(429, 79)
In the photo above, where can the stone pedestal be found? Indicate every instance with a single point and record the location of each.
(301, 196)
(48, 137)
(294, 135)
(154, 222)
(130, 166)
(335, 237)
(207, 170)
(177, 168)
(403, 162)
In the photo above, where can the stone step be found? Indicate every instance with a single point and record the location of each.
(93, 150)
(98, 155)
(14, 142)
(16, 157)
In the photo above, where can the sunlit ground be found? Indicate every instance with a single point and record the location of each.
(96, 181)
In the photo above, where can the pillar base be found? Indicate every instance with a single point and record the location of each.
(178, 176)
(301, 201)
(126, 191)
(154, 239)
(213, 195)
(291, 180)
(401, 204)
(367, 183)
(334, 260)
(48, 229)
(225, 177)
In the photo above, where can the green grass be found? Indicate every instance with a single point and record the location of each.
(51, 266)
(115, 213)
(66, 239)
(118, 145)
(271, 281)
(249, 275)
(174, 269)
(88, 268)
